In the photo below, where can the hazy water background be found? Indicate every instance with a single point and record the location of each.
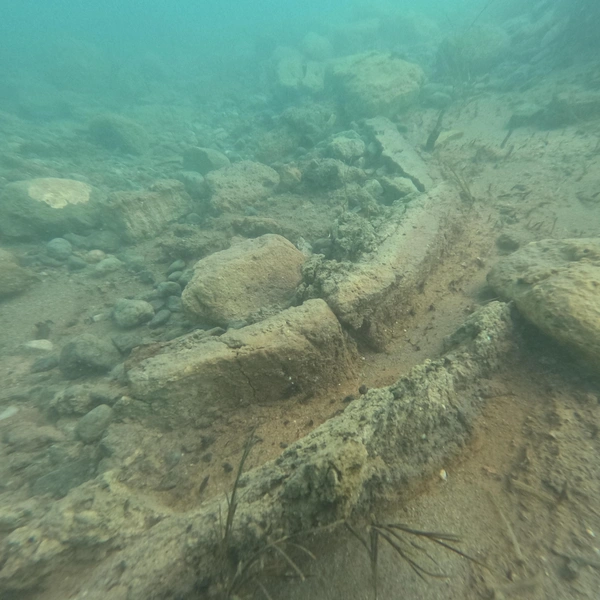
(30, 28)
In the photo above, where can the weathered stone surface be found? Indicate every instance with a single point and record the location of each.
(48, 207)
(241, 185)
(291, 355)
(374, 84)
(400, 155)
(232, 285)
(13, 278)
(138, 215)
(555, 284)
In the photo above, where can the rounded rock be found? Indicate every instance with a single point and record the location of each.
(106, 266)
(161, 317)
(59, 249)
(92, 426)
(131, 313)
(87, 355)
(168, 288)
(177, 265)
(174, 304)
(175, 275)
(75, 263)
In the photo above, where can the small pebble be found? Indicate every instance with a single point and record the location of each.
(94, 256)
(175, 275)
(177, 265)
(38, 346)
(106, 266)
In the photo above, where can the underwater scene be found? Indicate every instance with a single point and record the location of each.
(300, 300)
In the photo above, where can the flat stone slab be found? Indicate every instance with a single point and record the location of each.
(396, 149)
(555, 284)
(369, 297)
(292, 355)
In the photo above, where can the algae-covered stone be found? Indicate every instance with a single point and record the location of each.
(116, 132)
(374, 84)
(231, 285)
(555, 284)
(48, 207)
(13, 278)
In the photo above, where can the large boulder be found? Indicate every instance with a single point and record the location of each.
(241, 185)
(233, 285)
(293, 355)
(293, 73)
(48, 207)
(13, 278)
(555, 284)
(141, 214)
(374, 83)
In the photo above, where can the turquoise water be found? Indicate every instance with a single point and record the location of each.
(176, 176)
